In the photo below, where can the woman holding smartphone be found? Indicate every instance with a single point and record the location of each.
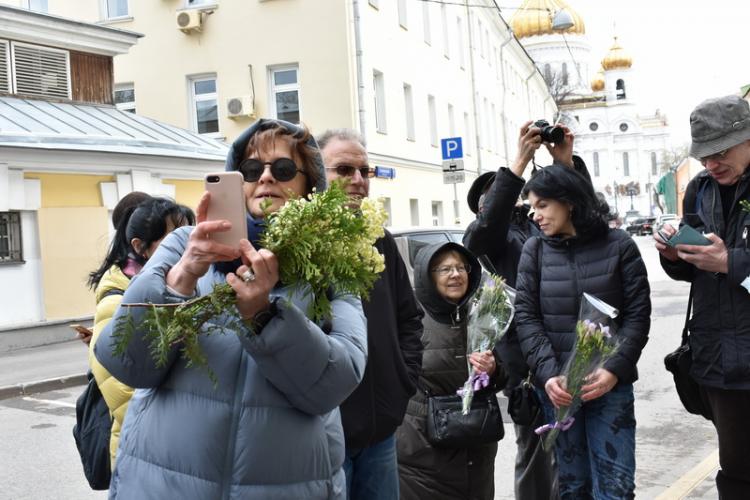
(576, 253)
(270, 427)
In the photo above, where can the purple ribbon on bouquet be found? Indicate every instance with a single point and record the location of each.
(478, 380)
(563, 426)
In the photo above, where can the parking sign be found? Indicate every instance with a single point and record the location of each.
(451, 148)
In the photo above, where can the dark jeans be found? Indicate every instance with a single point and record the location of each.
(731, 410)
(372, 472)
(536, 470)
(596, 456)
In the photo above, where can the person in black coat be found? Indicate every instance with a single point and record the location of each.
(576, 252)
(498, 234)
(446, 275)
(375, 409)
(720, 277)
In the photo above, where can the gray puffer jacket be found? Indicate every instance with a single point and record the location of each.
(270, 427)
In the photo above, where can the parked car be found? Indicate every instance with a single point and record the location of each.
(410, 240)
(641, 226)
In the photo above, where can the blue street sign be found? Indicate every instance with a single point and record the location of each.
(451, 148)
(385, 172)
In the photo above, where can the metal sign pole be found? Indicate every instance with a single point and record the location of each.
(456, 219)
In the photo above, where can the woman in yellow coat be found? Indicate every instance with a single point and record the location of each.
(140, 229)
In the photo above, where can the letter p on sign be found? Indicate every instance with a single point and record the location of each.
(451, 148)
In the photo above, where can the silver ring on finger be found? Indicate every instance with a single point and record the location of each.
(248, 276)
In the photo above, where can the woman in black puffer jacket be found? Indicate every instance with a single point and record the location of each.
(445, 277)
(578, 253)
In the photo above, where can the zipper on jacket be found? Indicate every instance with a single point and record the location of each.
(226, 482)
(574, 272)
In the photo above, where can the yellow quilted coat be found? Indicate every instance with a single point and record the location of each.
(117, 395)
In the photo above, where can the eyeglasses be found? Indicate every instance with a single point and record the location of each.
(348, 171)
(282, 169)
(449, 270)
(714, 157)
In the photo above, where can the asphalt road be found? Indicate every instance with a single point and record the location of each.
(38, 459)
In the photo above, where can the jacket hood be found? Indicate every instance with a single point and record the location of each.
(424, 287)
(237, 150)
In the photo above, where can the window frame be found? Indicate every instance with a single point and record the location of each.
(15, 241)
(192, 80)
(46, 8)
(286, 87)
(104, 6)
(411, 133)
(8, 67)
(432, 117)
(378, 91)
(129, 106)
(14, 71)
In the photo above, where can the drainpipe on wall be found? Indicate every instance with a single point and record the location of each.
(473, 90)
(360, 79)
(503, 119)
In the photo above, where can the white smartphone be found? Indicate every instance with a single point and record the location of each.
(227, 203)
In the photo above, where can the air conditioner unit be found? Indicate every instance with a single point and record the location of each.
(189, 20)
(240, 107)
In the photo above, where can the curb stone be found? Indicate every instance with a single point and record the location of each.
(50, 384)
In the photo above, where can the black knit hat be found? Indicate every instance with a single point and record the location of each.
(477, 188)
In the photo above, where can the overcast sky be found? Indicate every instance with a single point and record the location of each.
(684, 51)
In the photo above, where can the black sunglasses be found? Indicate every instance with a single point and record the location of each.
(348, 171)
(282, 169)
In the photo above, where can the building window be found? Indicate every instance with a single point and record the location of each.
(426, 23)
(623, 127)
(388, 211)
(437, 213)
(467, 134)
(38, 5)
(564, 73)
(402, 14)
(626, 164)
(5, 66)
(409, 110)
(204, 105)
(596, 164)
(378, 84)
(414, 210)
(196, 3)
(285, 93)
(125, 97)
(654, 169)
(115, 8)
(374, 3)
(547, 73)
(620, 86)
(40, 71)
(446, 41)
(10, 237)
(451, 121)
(432, 112)
(460, 42)
(593, 126)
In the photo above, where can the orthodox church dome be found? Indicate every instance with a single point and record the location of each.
(597, 83)
(616, 58)
(534, 17)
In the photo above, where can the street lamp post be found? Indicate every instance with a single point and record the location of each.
(615, 187)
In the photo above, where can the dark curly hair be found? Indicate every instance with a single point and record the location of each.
(589, 214)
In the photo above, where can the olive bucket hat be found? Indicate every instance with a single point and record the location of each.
(718, 124)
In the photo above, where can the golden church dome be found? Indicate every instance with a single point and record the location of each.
(534, 17)
(616, 58)
(597, 83)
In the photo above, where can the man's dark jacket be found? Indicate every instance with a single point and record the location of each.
(554, 273)
(394, 330)
(720, 326)
(499, 233)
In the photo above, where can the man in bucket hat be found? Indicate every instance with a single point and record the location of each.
(720, 276)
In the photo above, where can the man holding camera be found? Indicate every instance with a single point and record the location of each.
(498, 235)
(719, 273)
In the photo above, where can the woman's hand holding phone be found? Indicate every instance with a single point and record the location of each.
(201, 251)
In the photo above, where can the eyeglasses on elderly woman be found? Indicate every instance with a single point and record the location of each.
(448, 270)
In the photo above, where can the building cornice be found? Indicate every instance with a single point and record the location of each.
(44, 29)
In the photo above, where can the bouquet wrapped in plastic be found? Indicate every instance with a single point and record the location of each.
(490, 316)
(596, 342)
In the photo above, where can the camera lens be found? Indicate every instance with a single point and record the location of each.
(212, 178)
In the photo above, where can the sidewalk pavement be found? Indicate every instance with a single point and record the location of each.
(43, 368)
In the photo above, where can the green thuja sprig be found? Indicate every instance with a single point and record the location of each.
(745, 206)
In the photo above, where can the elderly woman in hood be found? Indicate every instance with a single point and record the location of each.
(446, 275)
(270, 427)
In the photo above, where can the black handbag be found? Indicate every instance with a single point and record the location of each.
(91, 433)
(448, 427)
(523, 403)
(678, 363)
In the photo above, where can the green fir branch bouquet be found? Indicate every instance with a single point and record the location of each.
(596, 342)
(322, 244)
(490, 315)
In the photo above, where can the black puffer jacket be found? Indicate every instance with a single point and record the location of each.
(552, 276)
(434, 473)
(499, 232)
(394, 328)
(720, 326)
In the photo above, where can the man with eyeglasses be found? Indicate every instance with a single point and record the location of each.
(719, 274)
(376, 408)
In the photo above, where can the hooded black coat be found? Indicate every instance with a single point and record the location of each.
(720, 326)
(552, 276)
(432, 473)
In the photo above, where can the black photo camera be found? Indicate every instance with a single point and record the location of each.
(550, 133)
